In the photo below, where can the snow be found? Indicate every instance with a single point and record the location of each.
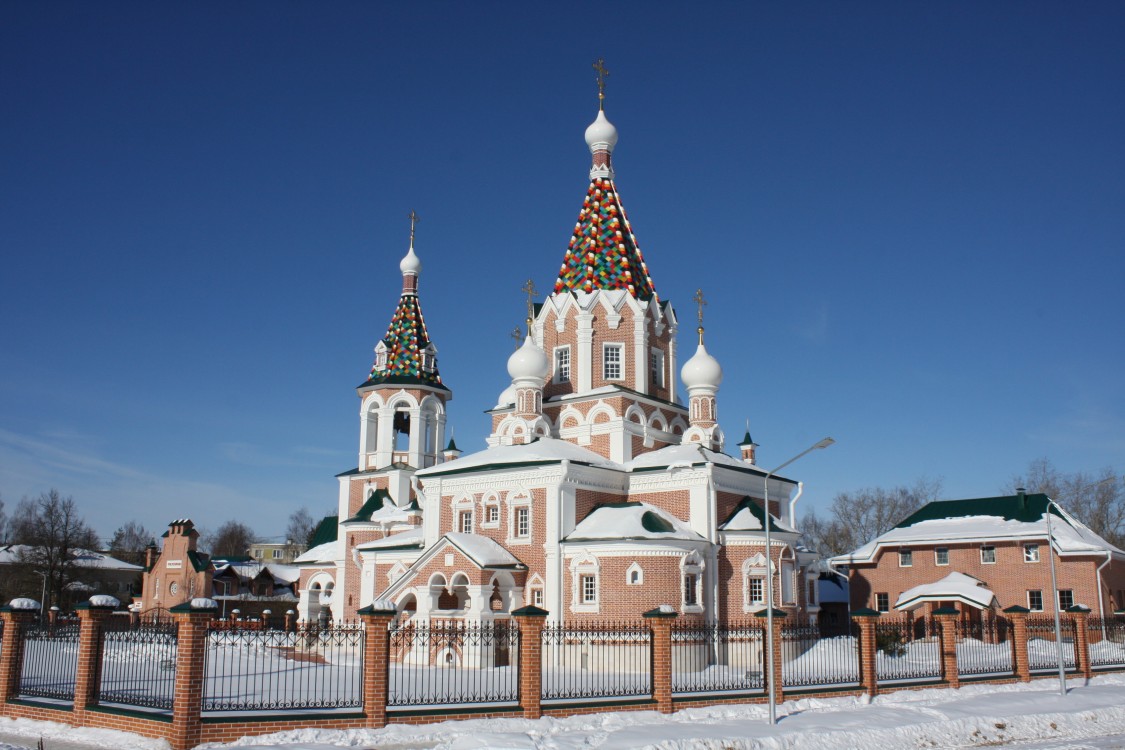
(322, 553)
(482, 550)
(104, 600)
(204, 603)
(411, 536)
(545, 449)
(23, 603)
(955, 586)
(682, 456)
(85, 558)
(627, 522)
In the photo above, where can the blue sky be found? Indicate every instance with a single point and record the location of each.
(907, 219)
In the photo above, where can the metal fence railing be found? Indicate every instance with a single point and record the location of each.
(811, 661)
(443, 663)
(709, 657)
(139, 664)
(907, 651)
(984, 647)
(50, 660)
(257, 670)
(1106, 639)
(1042, 650)
(596, 661)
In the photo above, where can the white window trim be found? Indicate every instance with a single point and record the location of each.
(1031, 548)
(691, 565)
(520, 500)
(522, 511)
(1041, 601)
(937, 561)
(1058, 602)
(635, 568)
(909, 554)
(886, 594)
(754, 567)
(620, 349)
(579, 567)
(656, 357)
(988, 562)
(569, 364)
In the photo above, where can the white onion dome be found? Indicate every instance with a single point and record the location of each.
(507, 397)
(528, 362)
(410, 263)
(702, 371)
(601, 134)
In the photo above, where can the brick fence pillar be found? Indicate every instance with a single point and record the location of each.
(15, 619)
(376, 660)
(530, 620)
(947, 622)
(1081, 619)
(866, 619)
(91, 637)
(660, 621)
(192, 620)
(1021, 665)
(778, 657)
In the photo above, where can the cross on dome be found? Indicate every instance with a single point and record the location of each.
(529, 289)
(700, 302)
(603, 74)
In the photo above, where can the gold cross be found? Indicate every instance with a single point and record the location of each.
(602, 75)
(698, 300)
(531, 291)
(517, 336)
(413, 220)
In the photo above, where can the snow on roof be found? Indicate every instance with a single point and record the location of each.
(412, 536)
(543, 450)
(954, 587)
(483, 551)
(683, 455)
(322, 553)
(83, 558)
(749, 516)
(631, 521)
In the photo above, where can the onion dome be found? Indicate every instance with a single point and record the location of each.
(601, 135)
(528, 363)
(702, 371)
(507, 397)
(410, 263)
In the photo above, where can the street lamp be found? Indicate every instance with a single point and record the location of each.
(770, 676)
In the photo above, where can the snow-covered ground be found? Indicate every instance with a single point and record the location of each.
(1025, 715)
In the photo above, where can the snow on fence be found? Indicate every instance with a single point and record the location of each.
(708, 657)
(984, 648)
(1107, 642)
(258, 670)
(453, 663)
(811, 661)
(596, 661)
(50, 660)
(139, 664)
(1042, 650)
(907, 651)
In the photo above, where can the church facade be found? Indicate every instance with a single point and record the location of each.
(599, 496)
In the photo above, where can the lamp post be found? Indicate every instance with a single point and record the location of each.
(770, 676)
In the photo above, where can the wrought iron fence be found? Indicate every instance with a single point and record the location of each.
(907, 651)
(716, 658)
(1042, 650)
(50, 660)
(254, 670)
(596, 661)
(139, 664)
(442, 663)
(984, 647)
(1106, 638)
(807, 660)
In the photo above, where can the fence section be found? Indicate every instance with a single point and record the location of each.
(1107, 642)
(139, 664)
(596, 661)
(444, 663)
(50, 660)
(811, 661)
(907, 651)
(256, 670)
(716, 658)
(984, 648)
(1042, 650)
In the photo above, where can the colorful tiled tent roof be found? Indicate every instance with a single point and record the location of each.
(406, 343)
(603, 252)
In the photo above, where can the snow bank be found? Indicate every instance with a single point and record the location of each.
(23, 603)
(104, 600)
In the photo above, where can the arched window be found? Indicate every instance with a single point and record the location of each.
(691, 589)
(402, 426)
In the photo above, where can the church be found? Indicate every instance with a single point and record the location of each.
(599, 496)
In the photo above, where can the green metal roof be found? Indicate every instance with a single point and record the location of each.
(1023, 508)
(374, 502)
(326, 531)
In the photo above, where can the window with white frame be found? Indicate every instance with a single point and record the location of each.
(466, 521)
(1031, 553)
(691, 589)
(656, 368)
(588, 588)
(788, 579)
(1066, 599)
(537, 597)
(753, 583)
(519, 517)
(757, 585)
(584, 576)
(1035, 600)
(941, 556)
(691, 568)
(905, 558)
(635, 575)
(562, 364)
(883, 602)
(523, 522)
(492, 514)
(988, 555)
(613, 362)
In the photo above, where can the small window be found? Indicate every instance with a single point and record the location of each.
(612, 362)
(1035, 601)
(634, 577)
(941, 556)
(537, 597)
(757, 590)
(466, 522)
(883, 602)
(589, 588)
(691, 589)
(523, 522)
(656, 368)
(1066, 599)
(1031, 553)
(811, 587)
(987, 555)
(562, 364)
(493, 513)
(905, 558)
(277, 554)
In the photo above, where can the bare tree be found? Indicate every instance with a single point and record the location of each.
(129, 542)
(301, 527)
(50, 532)
(232, 539)
(860, 516)
(1096, 499)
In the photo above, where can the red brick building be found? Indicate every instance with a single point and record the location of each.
(1001, 544)
(600, 494)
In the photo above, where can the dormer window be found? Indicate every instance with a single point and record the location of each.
(380, 356)
(429, 359)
